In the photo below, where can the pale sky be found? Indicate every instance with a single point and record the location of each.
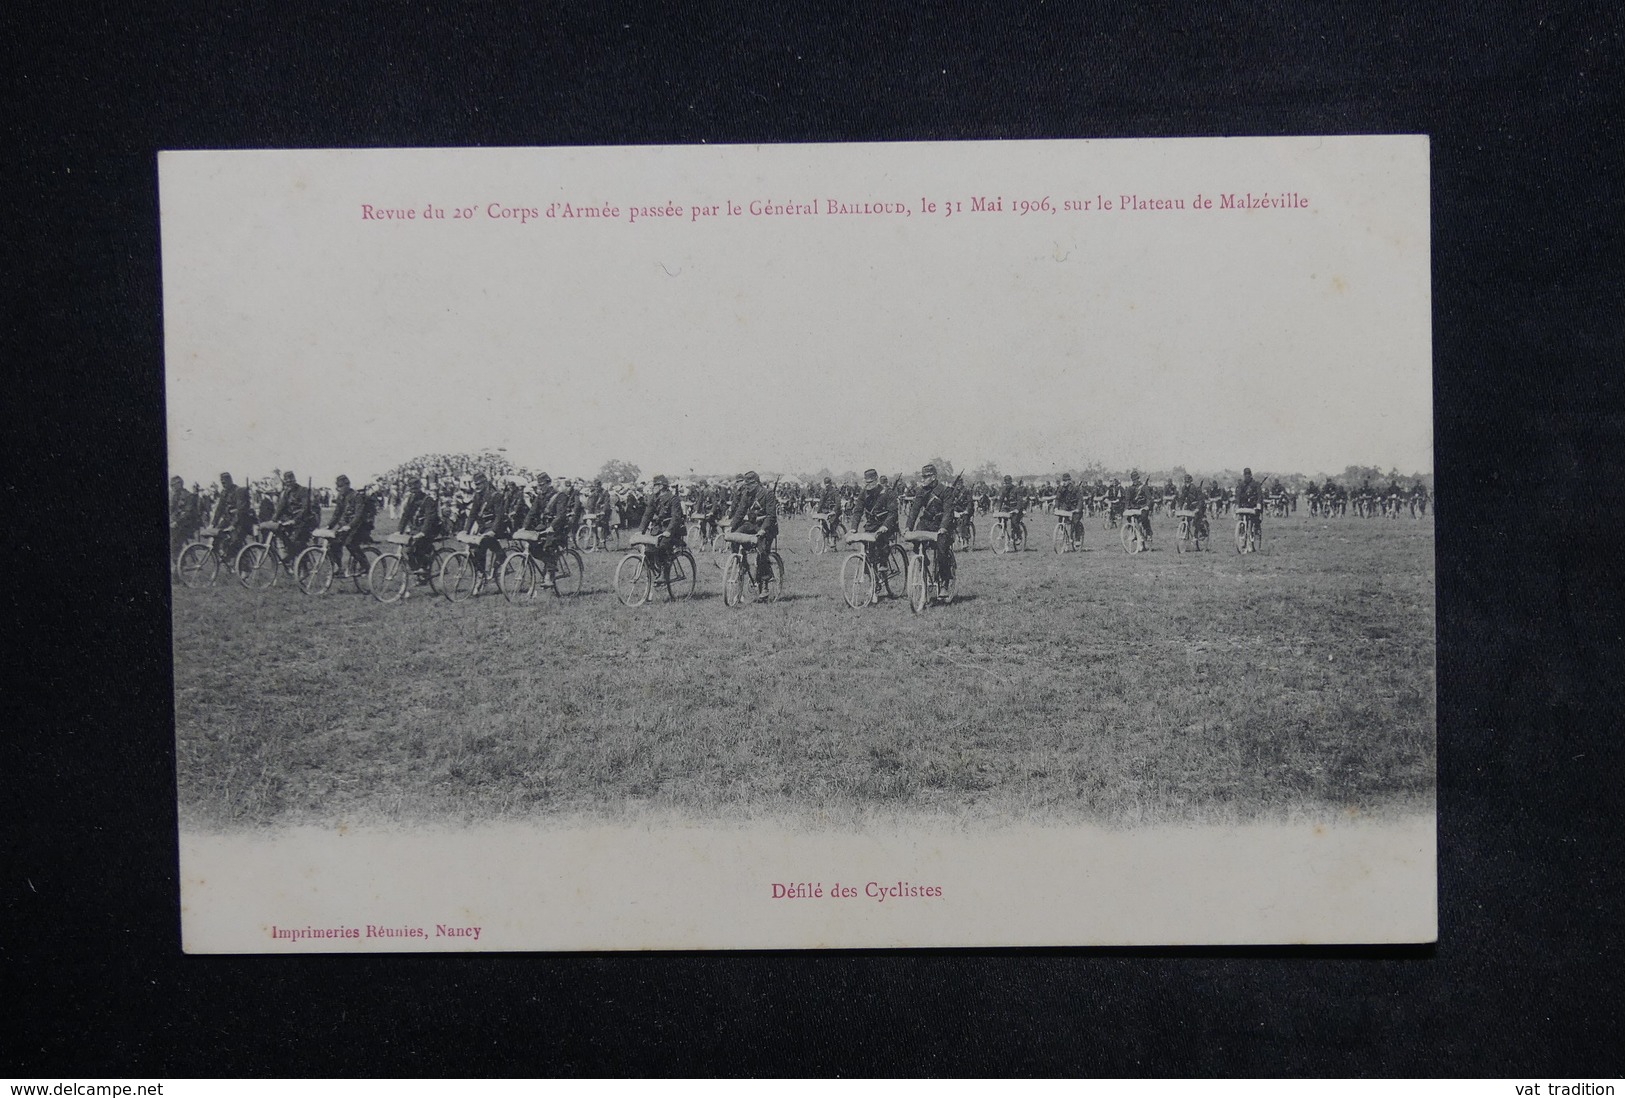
(300, 335)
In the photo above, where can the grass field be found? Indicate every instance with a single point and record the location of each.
(1096, 687)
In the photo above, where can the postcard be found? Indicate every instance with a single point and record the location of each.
(1021, 543)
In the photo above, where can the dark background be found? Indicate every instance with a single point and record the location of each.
(1524, 107)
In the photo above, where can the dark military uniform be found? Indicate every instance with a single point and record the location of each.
(233, 517)
(352, 524)
(756, 511)
(487, 517)
(297, 507)
(933, 512)
(1249, 493)
(184, 518)
(1069, 498)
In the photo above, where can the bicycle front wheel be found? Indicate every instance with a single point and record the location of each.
(632, 580)
(584, 539)
(197, 565)
(517, 580)
(388, 578)
(1060, 540)
(857, 582)
(1001, 539)
(256, 569)
(816, 541)
(1241, 535)
(916, 584)
(313, 571)
(733, 583)
(457, 577)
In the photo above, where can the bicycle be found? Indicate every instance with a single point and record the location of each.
(636, 577)
(390, 577)
(314, 570)
(739, 572)
(460, 579)
(964, 532)
(1249, 531)
(866, 570)
(260, 564)
(1068, 536)
(1193, 531)
(925, 584)
(706, 528)
(537, 567)
(1111, 514)
(1135, 534)
(594, 535)
(199, 562)
(1009, 532)
(826, 532)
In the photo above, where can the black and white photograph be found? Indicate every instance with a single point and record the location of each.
(1021, 543)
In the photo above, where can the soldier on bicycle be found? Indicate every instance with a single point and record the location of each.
(663, 517)
(1068, 498)
(876, 513)
(829, 503)
(1193, 498)
(351, 522)
(296, 511)
(487, 520)
(932, 511)
(422, 524)
(1249, 493)
(184, 518)
(756, 511)
(233, 517)
(1139, 496)
(598, 507)
(1010, 496)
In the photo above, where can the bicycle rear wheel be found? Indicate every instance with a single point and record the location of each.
(684, 574)
(358, 566)
(632, 580)
(895, 577)
(857, 582)
(388, 578)
(457, 577)
(197, 565)
(569, 574)
(772, 584)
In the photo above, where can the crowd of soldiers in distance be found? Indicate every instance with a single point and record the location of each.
(438, 496)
